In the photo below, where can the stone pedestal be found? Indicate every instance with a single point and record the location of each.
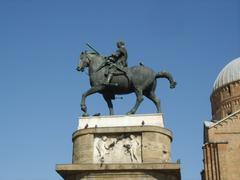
(121, 147)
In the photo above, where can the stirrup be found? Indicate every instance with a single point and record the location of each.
(111, 84)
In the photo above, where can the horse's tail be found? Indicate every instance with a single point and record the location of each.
(167, 75)
(162, 74)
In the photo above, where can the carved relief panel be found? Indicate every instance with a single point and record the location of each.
(124, 148)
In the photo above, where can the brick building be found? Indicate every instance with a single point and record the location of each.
(221, 149)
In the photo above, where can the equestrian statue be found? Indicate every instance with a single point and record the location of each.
(111, 76)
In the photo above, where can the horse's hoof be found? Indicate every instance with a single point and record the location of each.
(97, 114)
(85, 115)
(83, 108)
(173, 85)
(130, 112)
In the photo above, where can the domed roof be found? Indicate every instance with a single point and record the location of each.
(230, 73)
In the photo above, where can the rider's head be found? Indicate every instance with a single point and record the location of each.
(120, 44)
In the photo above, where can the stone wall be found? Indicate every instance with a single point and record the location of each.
(221, 149)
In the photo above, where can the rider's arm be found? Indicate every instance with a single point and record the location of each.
(116, 56)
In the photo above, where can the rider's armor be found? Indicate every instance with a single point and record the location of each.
(118, 62)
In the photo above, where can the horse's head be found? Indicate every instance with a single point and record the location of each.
(89, 59)
(84, 61)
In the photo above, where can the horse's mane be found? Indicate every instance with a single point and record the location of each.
(95, 54)
(92, 53)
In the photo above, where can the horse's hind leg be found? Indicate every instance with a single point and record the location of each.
(139, 99)
(109, 103)
(92, 90)
(152, 96)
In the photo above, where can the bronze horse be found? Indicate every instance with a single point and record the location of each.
(139, 79)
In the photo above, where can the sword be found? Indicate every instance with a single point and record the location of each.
(93, 49)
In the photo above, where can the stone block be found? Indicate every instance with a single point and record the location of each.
(146, 171)
(120, 121)
(122, 145)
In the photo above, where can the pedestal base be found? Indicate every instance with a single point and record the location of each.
(121, 147)
(146, 171)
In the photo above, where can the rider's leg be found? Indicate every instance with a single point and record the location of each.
(106, 72)
(108, 81)
(109, 78)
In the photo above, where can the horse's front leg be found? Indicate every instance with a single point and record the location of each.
(139, 99)
(92, 90)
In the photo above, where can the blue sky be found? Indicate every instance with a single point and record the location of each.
(40, 43)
